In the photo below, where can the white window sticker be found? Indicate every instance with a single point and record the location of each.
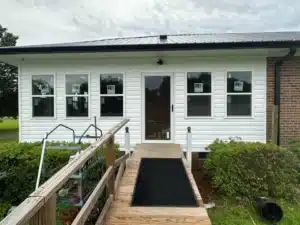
(75, 88)
(198, 87)
(111, 89)
(44, 88)
(238, 85)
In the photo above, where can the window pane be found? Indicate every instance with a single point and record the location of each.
(199, 105)
(77, 106)
(77, 84)
(111, 84)
(239, 105)
(43, 85)
(112, 106)
(43, 106)
(199, 82)
(239, 82)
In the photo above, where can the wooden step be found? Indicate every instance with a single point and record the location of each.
(121, 213)
(157, 151)
(158, 220)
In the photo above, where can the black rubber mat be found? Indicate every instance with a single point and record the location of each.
(163, 182)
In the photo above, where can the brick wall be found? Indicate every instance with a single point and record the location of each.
(289, 99)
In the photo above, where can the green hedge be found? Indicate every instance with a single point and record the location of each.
(245, 170)
(21, 161)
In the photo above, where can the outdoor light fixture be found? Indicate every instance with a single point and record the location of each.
(160, 62)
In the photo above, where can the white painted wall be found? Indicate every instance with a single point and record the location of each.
(204, 130)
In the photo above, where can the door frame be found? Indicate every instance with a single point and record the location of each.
(143, 117)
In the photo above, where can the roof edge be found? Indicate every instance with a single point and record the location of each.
(147, 47)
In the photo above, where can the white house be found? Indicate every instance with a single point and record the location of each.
(216, 84)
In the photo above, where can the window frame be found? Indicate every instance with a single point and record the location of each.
(111, 95)
(54, 97)
(211, 94)
(242, 93)
(68, 95)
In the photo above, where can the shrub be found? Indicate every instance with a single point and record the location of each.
(251, 169)
(20, 162)
(4, 208)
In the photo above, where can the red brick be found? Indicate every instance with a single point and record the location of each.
(289, 99)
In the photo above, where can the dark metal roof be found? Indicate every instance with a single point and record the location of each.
(172, 42)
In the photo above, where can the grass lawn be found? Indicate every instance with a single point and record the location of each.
(226, 213)
(8, 130)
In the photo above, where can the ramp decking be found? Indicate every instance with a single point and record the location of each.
(121, 212)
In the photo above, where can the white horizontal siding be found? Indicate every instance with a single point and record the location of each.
(204, 130)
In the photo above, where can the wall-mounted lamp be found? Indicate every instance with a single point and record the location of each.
(160, 62)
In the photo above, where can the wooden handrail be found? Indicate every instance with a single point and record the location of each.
(39, 198)
(121, 160)
(119, 176)
(105, 209)
(85, 211)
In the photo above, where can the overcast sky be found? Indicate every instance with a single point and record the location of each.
(52, 21)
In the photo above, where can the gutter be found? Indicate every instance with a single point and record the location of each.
(145, 47)
(279, 62)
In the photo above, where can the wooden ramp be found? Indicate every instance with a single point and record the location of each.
(121, 213)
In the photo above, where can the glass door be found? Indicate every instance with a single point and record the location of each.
(157, 107)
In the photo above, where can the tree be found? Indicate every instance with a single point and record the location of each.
(8, 79)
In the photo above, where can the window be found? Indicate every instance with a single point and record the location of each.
(43, 96)
(77, 95)
(198, 94)
(111, 95)
(239, 88)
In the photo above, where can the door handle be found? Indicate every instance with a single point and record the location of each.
(172, 108)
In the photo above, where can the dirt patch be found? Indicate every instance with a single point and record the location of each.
(203, 182)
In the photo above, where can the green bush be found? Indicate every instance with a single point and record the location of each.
(20, 163)
(250, 169)
(4, 207)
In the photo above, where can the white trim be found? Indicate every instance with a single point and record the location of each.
(172, 114)
(19, 103)
(211, 94)
(68, 95)
(54, 97)
(112, 95)
(236, 93)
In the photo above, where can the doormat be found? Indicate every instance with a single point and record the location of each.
(163, 182)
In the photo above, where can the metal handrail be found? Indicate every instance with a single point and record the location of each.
(91, 125)
(60, 125)
(44, 141)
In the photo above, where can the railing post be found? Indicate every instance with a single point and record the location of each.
(110, 159)
(46, 215)
(127, 140)
(189, 146)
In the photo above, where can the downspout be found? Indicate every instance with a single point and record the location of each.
(278, 65)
